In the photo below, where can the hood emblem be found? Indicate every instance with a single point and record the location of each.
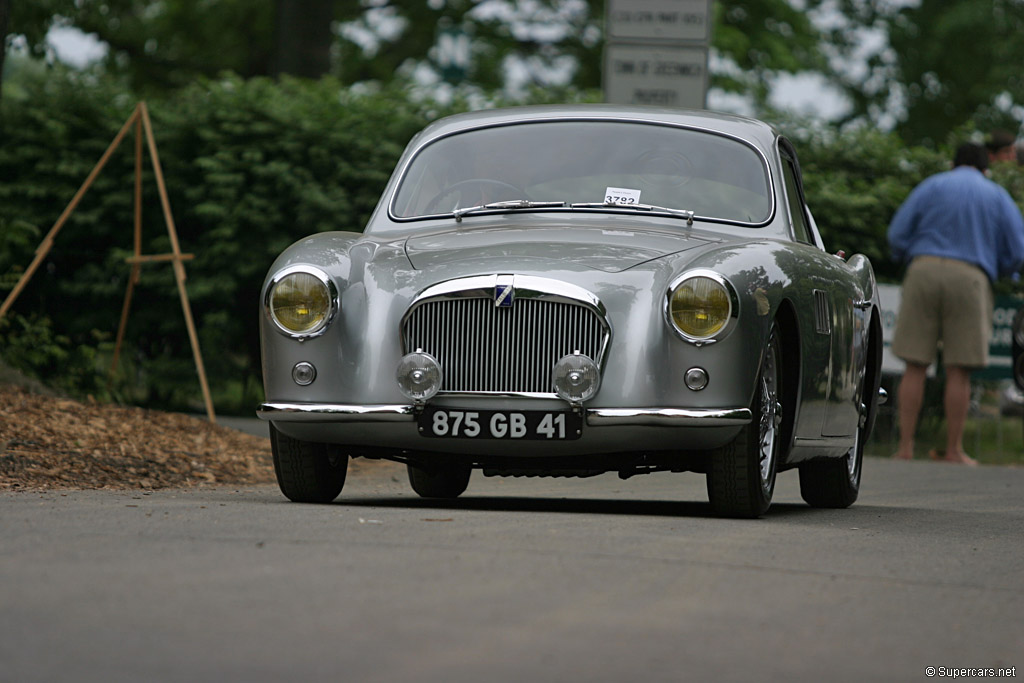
(504, 291)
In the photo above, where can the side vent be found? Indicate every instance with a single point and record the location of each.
(822, 318)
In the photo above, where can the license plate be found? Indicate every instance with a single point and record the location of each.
(532, 425)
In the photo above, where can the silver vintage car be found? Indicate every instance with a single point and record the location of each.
(571, 291)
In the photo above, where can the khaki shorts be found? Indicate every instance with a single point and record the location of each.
(948, 301)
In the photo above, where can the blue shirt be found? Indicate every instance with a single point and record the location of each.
(960, 214)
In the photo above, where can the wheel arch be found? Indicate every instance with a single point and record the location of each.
(789, 336)
(873, 369)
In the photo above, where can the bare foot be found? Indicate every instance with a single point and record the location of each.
(961, 459)
(900, 455)
(956, 458)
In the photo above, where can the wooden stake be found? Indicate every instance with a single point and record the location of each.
(179, 266)
(140, 119)
(153, 258)
(133, 279)
(44, 247)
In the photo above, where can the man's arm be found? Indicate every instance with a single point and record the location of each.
(903, 226)
(1011, 255)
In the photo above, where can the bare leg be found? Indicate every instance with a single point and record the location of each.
(956, 403)
(910, 397)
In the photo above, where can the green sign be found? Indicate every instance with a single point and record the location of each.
(1000, 350)
(453, 51)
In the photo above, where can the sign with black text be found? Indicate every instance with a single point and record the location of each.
(673, 20)
(668, 76)
(657, 52)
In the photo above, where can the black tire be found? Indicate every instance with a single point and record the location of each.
(449, 481)
(835, 482)
(308, 472)
(741, 474)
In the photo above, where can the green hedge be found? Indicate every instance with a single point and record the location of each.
(854, 184)
(856, 180)
(252, 166)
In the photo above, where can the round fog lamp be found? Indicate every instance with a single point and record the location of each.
(419, 376)
(303, 373)
(576, 378)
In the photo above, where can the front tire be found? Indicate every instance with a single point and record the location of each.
(308, 472)
(449, 481)
(741, 474)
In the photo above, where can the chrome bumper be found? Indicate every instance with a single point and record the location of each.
(668, 417)
(595, 417)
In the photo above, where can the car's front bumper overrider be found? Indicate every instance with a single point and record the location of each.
(595, 417)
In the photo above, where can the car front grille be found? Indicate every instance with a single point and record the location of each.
(484, 348)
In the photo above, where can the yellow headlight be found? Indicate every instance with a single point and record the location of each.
(300, 302)
(700, 307)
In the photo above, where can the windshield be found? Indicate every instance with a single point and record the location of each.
(587, 162)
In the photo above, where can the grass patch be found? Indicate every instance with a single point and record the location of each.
(989, 439)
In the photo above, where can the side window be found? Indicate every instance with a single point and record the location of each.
(801, 229)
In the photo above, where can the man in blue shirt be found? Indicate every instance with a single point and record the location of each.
(959, 232)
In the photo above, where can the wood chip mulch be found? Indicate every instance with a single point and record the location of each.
(49, 442)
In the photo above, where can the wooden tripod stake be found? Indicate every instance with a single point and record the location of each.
(140, 120)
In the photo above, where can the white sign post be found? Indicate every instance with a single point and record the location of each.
(664, 75)
(657, 52)
(670, 20)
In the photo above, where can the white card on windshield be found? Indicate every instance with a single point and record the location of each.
(621, 195)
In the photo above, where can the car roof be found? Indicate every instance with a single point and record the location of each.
(752, 130)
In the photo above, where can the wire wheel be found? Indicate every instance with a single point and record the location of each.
(741, 475)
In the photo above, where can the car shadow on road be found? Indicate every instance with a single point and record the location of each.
(600, 506)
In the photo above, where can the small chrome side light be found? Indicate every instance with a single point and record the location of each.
(304, 373)
(696, 379)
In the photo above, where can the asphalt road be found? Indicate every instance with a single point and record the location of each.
(519, 580)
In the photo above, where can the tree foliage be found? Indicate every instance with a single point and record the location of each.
(942, 63)
(954, 60)
(946, 62)
(762, 39)
(161, 44)
(251, 166)
(855, 181)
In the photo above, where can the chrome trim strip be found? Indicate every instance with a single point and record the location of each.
(595, 417)
(334, 412)
(669, 417)
(527, 286)
(498, 394)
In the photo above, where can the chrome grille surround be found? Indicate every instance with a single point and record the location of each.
(484, 348)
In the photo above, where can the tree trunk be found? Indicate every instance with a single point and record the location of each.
(304, 37)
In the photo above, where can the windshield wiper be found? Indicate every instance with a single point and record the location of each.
(688, 215)
(506, 205)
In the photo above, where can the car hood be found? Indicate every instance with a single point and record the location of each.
(611, 248)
